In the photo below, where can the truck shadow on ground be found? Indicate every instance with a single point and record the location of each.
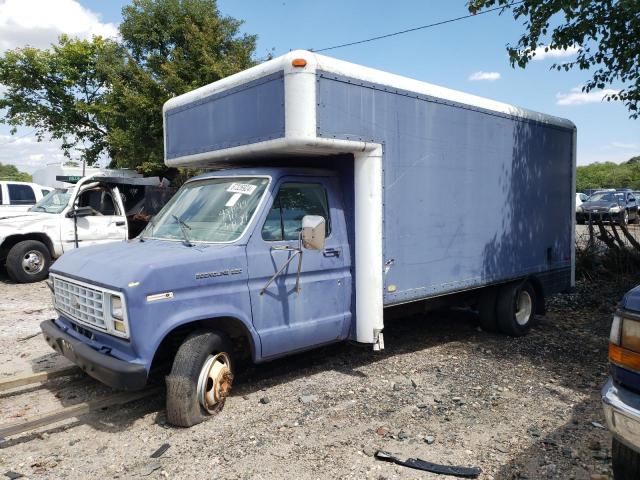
(575, 355)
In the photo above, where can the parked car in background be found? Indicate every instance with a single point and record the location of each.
(580, 199)
(619, 206)
(20, 196)
(95, 211)
(621, 393)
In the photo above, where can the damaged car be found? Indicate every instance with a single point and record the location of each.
(96, 210)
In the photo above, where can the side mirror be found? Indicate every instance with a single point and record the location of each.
(80, 212)
(313, 232)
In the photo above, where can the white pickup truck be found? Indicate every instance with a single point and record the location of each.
(98, 209)
(20, 196)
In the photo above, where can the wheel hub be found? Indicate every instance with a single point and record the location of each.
(215, 382)
(32, 262)
(524, 307)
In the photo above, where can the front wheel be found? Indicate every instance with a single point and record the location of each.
(200, 379)
(28, 261)
(625, 462)
(624, 218)
(515, 308)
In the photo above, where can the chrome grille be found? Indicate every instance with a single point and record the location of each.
(80, 303)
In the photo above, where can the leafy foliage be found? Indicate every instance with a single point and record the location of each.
(609, 175)
(10, 172)
(104, 97)
(605, 32)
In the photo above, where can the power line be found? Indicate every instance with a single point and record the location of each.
(451, 20)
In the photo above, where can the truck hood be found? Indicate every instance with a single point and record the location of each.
(24, 222)
(150, 266)
(631, 300)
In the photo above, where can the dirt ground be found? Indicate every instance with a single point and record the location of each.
(442, 390)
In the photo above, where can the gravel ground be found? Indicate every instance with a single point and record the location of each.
(442, 390)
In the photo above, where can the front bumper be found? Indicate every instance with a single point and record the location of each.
(598, 216)
(111, 371)
(622, 412)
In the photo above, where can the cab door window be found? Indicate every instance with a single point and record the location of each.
(100, 200)
(21, 194)
(294, 201)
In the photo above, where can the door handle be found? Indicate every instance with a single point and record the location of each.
(331, 252)
(120, 223)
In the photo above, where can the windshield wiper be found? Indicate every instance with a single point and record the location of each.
(183, 227)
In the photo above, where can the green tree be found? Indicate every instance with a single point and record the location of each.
(60, 92)
(10, 172)
(609, 175)
(105, 97)
(605, 32)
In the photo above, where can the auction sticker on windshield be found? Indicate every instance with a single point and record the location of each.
(244, 188)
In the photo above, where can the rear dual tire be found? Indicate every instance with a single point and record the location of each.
(509, 309)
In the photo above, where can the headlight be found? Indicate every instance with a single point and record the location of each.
(615, 209)
(117, 316)
(579, 209)
(116, 307)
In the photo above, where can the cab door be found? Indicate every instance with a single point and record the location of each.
(318, 312)
(107, 223)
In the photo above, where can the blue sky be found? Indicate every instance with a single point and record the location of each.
(447, 55)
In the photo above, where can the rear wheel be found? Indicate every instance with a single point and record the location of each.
(200, 379)
(28, 261)
(625, 461)
(515, 308)
(487, 310)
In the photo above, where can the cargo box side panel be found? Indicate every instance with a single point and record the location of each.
(471, 197)
(249, 113)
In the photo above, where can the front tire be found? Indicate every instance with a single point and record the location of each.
(515, 308)
(200, 378)
(625, 462)
(28, 261)
(624, 218)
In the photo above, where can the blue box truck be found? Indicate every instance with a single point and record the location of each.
(334, 192)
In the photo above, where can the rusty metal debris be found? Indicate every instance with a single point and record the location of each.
(464, 472)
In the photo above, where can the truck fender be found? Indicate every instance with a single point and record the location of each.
(43, 237)
(225, 318)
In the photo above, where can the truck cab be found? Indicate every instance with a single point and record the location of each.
(227, 251)
(20, 196)
(621, 393)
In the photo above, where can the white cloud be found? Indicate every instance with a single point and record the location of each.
(27, 153)
(479, 76)
(38, 23)
(577, 97)
(541, 54)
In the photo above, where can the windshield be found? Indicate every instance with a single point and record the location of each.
(607, 197)
(54, 202)
(214, 210)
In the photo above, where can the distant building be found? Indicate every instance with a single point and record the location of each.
(47, 175)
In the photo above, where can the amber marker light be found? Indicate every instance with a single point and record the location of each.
(299, 62)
